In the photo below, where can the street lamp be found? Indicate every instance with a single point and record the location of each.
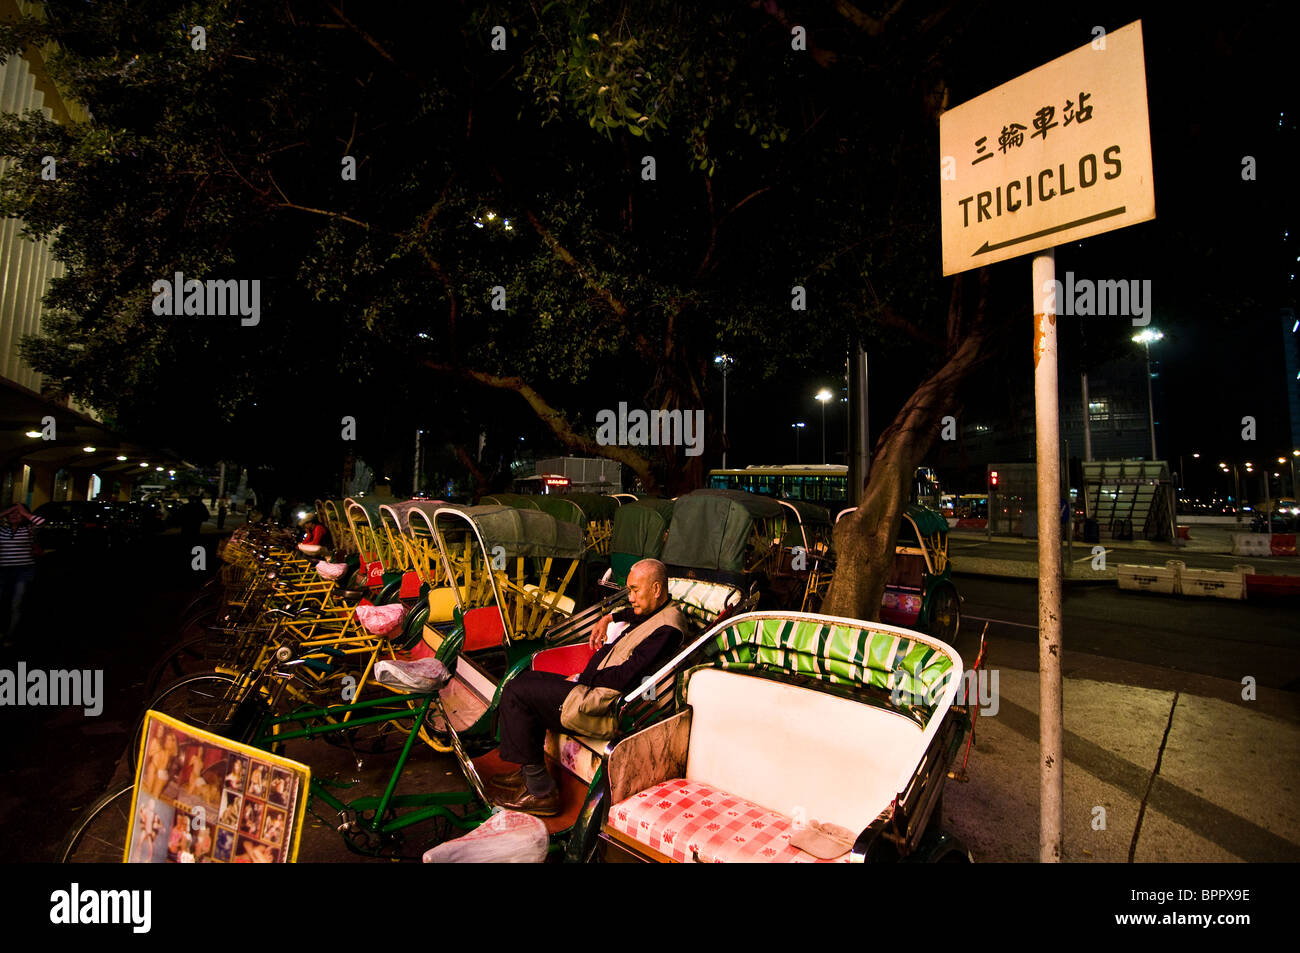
(1294, 454)
(1145, 337)
(798, 431)
(1236, 487)
(823, 395)
(724, 362)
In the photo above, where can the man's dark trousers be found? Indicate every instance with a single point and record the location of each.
(530, 704)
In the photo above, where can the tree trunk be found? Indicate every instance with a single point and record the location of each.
(865, 539)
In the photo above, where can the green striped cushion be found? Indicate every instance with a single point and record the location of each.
(913, 672)
(702, 601)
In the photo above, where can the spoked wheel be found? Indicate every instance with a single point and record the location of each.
(945, 615)
(99, 836)
(204, 700)
(191, 656)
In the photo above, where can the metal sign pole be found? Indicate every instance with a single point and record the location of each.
(1047, 434)
(1087, 420)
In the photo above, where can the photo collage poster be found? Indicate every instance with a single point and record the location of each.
(200, 798)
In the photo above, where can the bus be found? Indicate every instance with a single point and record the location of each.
(825, 484)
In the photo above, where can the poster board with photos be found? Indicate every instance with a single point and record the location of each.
(201, 798)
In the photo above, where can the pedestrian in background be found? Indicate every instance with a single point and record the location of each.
(221, 513)
(17, 565)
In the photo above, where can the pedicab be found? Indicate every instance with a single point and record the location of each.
(365, 523)
(595, 512)
(725, 536)
(331, 512)
(640, 528)
(400, 555)
(920, 592)
(792, 737)
(506, 575)
(575, 760)
(802, 572)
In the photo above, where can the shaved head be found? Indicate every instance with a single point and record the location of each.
(647, 581)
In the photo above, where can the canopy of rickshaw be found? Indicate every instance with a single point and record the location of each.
(639, 528)
(758, 507)
(810, 513)
(711, 528)
(658, 503)
(562, 508)
(524, 532)
(595, 506)
(926, 521)
(404, 509)
(519, 501)
(370, 506)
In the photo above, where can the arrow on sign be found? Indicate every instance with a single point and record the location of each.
(986, 247)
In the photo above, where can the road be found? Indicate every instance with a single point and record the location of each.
(1140, 638)
(970, 546)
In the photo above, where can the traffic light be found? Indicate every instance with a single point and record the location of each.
(993, 478)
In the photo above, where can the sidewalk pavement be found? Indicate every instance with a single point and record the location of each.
(1167, 775)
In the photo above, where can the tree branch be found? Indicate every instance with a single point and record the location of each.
(315, 211)
(370, 41)
(554, 419)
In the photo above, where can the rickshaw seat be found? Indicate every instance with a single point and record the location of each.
(484, 628)
(410, 588)
(563, 604)
(442, 603)
(759, 752)
(566, 660)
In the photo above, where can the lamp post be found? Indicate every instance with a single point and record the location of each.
(724, 362)
(1145, 337)
(1236, 489)
(823, 395)
(798, 431)
(1294, 454)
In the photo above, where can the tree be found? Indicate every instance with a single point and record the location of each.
(501, 229)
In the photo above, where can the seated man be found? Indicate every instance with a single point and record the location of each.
(535, 701)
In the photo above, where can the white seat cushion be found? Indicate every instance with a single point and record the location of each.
(801, 753)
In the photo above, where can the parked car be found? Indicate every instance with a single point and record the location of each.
(74, 523)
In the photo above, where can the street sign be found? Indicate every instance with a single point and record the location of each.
(1055, 155)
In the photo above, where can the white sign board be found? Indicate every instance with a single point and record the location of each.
(1055, 155)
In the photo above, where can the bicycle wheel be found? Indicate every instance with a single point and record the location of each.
(99, 836)
(190, 656)
(205, 700)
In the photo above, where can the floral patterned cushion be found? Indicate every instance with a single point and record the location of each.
(689, 820)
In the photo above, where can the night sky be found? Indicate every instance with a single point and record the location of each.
(1218, 254)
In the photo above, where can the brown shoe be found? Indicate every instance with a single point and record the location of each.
(506, 782)
(525, 802)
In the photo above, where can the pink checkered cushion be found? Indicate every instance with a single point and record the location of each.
(686, 819)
